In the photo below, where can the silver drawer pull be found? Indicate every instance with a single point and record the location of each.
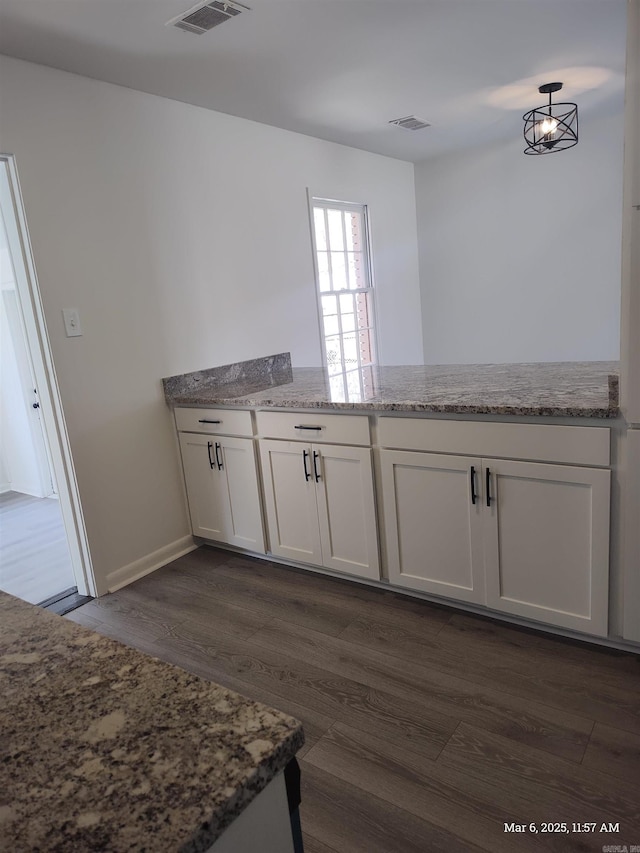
(302, 426)
(205, 421)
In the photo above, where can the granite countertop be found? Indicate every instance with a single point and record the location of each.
(555, 389)
(107, 749)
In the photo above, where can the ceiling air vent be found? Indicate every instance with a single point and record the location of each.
(410, 123)
(205, 16)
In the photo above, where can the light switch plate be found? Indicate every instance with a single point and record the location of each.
(72, 322)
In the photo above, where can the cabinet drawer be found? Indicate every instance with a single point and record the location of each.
(538, 442)
(336, 429)
(221, 421)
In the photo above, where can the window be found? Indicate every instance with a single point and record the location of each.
(345, 297)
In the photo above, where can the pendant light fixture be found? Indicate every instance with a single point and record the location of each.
(552, 127)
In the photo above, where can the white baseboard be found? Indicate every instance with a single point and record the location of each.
(27, 489)
(145, 565)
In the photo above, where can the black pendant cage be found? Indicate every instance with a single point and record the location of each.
(553, 127)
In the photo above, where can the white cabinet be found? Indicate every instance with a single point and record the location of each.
(433, 527)
(526, 538)
(346, 509)
(546, 543)
(512, 517)
(319, 503)
(222, 489)
(290, 501)
(205, 488)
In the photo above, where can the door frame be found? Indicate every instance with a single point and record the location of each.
(30, 303)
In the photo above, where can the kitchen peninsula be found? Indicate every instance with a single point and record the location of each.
(482, 485)
(109, 749)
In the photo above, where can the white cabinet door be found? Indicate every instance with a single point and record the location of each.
(290, 500)
(432, 525)
(206, 486)
(320, 505)
(237, 459)
(346, 509)
(222, 489)
(546, 541)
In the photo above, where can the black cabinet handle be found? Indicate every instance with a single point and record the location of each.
(307, 475)
(473, 485)
(488, 487)
(205, 421)
(316, 456)
(218, 457)
(212, 464)
(302, 426)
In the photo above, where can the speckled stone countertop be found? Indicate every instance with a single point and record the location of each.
(107, 749)
(555, 389)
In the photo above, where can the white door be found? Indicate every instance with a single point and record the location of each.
(432, 520)
(346, 509)
(244, 517)
(290, 500)
(546, 539)
(23, 437)
(206, 486)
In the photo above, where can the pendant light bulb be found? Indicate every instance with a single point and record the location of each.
(547, 126)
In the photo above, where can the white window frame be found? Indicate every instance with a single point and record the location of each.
(315, 201)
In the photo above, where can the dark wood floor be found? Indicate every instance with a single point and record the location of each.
(427, 729)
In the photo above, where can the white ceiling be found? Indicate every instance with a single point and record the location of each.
(342, 69)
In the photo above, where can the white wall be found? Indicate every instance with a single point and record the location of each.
(520, 255)
(182, 237)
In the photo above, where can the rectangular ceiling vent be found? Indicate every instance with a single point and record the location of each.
(205, 16)
(410, 123)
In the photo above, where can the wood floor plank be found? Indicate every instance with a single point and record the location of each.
(199, 578)
(174, 605)
(614, 751)
(476, 804)
(599, 684)
(114, 610)
(351, 820)
(414, 785)
(360, 601)
(82, 618)
(555, 789)
(507, 637)
(312, 845)
(551, 681)
(394, 718)
(447, 694)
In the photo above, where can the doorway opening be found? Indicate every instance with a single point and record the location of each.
(44, 557)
